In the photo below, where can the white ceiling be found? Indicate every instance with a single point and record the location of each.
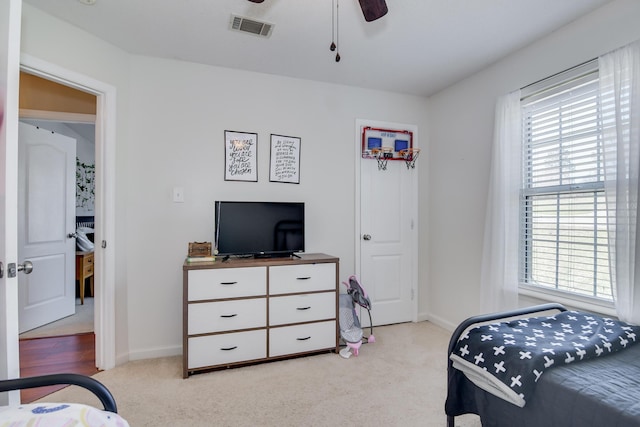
(419, 47)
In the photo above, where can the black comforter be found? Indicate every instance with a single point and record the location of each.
(597, 393)
(510, 357)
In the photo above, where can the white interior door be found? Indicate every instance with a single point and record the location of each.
(46, 217)
(387, 239)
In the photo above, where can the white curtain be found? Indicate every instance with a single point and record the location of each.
(620, 103)
(499, 274)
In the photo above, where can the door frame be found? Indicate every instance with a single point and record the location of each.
(10, 13)
(104, 274)
(413, 274)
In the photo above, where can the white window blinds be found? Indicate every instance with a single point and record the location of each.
(563, 218)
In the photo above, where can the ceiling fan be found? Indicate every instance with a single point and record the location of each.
(372, 9)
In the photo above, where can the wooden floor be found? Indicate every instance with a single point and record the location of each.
(54, 355)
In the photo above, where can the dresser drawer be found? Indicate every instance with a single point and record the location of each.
(302, 338)
(88, 259)
(227, 315)
(221, 349)
(227, 283)
(88, 270)
(302, 308)
(84, 265)
(285, 279)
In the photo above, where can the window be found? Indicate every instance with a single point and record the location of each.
(563, 223)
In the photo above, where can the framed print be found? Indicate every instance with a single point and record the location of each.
(285, 159)
(241, 163)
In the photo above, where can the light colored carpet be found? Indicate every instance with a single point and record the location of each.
(400, 380)
(78, 323)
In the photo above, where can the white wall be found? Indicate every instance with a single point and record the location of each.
(171, 118)
(460, 136)
(179, 114)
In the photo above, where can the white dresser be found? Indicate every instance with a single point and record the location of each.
(251, 310)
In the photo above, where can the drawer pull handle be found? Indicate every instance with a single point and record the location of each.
(303, 339)
(303, 278)
(303, 308)
(228, 283)
(229, 348)
(226, 316)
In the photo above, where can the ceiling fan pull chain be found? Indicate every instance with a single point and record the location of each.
(337, 30)
(332, 47)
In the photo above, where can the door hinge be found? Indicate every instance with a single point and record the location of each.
(413, 294)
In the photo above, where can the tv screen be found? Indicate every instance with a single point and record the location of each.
(259, 228)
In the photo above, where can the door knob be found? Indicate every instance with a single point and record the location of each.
(72, 235)
(367, 237)
(27, 267)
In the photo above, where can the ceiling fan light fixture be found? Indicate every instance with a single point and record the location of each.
(87, 2)
(373, 9)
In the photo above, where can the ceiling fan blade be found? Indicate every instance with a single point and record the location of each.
(256, 1)
(373, 9)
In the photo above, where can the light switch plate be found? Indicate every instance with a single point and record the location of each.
(178, 195)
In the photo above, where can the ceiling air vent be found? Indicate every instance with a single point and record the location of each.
(252, 26)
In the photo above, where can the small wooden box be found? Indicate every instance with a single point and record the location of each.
(197, 249)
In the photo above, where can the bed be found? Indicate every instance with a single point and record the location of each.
(597, 391)
(61, 414)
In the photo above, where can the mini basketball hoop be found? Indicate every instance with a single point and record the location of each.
(382, 155)
(410, 155)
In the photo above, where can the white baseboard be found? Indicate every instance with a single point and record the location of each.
(121, 359)
(436, 320)
(155, 353)
(422, 317)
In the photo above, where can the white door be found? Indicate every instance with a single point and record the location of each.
(9, 77)
(388, 237)
(46, 217)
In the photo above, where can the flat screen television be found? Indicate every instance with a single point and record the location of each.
(259, 228)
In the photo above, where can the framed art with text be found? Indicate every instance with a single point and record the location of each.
(285, 159)
(241, 156)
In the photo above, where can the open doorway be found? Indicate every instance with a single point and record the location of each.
(46, 326)
(64, 112)
(105, 142)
